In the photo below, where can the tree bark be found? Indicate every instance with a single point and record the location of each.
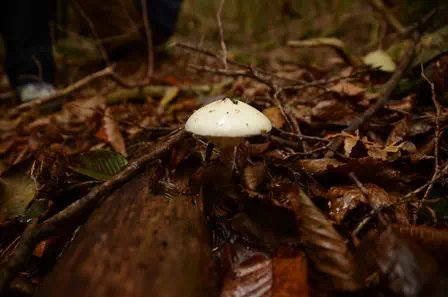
(137, 244)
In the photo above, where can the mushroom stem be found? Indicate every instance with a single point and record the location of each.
(227, 146)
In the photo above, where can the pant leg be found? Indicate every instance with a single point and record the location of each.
(163, 15)
(26, 33)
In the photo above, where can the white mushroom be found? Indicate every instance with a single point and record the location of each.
(225, 123)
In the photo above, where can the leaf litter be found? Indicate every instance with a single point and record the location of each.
(293, 223)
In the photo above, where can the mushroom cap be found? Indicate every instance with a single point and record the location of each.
(228, 118)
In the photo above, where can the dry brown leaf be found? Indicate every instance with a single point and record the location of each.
(290, 274)
(399, 131)
(344, 88)
(254, 175)
(334, 112)
(317, 166)
(84, 109)
(303, 113)
(6, 145)
(251, 275)
(113, 134)
(275, 116)
(323, 244)
(345, 198)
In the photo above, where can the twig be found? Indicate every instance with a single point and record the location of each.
(91, 26)
(221, 34)
(437, 134)
(388, 16)
(368, 197)
(18, 260)
(81, 207)
(148, 32)
(65, 91)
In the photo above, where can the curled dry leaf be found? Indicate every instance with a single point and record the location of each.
(334, 112)
(344, 88)
(250, 276)
(254, 175)
(399, 131)
(290, 274)
(404, 267)
(113, 134)
(324, 245)
(345, 198)
(275, 116)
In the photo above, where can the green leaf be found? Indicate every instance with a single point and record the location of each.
(17, 190)
(100, 164)
(380, 59)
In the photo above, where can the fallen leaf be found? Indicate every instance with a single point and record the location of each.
(6, 145)
(113, 134)
(381, 59)
(334, 112)
(344, 88)
(17, 190)
(290, 273)
(399, 131)
(317, 166)
(99, 164)
(251, 275)
(254, 175)
(346, 198)
(323, 244)
(275, 116)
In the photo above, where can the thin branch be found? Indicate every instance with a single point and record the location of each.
(437, 134)
(148, 32)
(83, 206)
(65, 91)
(92, 28)
(221, 34)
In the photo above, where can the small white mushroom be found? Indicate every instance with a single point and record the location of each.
(225, 123)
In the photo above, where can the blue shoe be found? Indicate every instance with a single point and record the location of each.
(35, 90)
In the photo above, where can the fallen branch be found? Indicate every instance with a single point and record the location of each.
(63, 92)
(81, 207)
(334, 43)
(388, 16)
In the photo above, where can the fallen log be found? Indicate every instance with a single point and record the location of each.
(137, 244)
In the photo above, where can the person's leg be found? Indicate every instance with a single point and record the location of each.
(163, 15)
(26, 33)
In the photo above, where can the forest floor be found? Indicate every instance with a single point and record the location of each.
(345, 194)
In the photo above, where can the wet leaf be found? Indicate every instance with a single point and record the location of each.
(345, 198)
(323, 244)
(254, 175)
(290, 273)
(251, 275)
(381, 59)
(112, 133)
(99, 164)
(275, 116)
